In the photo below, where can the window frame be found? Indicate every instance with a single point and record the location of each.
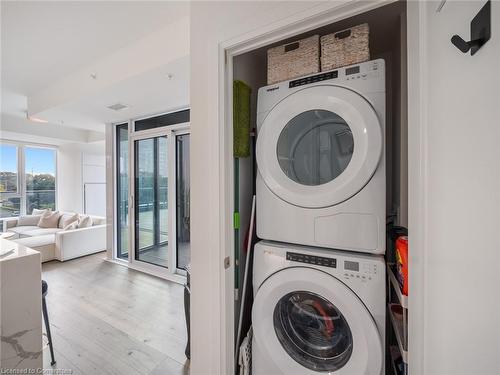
(21, 173)
(117, 241)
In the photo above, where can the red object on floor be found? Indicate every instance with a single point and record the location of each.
(402, 263)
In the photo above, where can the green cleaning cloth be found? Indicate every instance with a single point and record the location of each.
(241, 119)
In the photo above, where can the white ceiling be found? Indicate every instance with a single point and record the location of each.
(44, 42)
(149, 93)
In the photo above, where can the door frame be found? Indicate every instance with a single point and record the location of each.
(171, 273)
(170, 132)
(313, 18)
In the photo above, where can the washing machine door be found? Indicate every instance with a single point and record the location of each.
(319, 146)
(308, 322)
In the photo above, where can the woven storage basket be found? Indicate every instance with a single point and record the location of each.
(346, 47)
(293, 60)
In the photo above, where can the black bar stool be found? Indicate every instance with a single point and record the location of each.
(45, 289)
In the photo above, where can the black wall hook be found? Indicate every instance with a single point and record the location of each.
(480, 31)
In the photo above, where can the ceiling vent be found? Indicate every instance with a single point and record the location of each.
(118, 107)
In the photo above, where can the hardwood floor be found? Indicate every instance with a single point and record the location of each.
(108, 319)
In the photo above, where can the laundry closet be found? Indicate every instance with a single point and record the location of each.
(336, 228)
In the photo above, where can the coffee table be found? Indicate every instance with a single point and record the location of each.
(7, 235)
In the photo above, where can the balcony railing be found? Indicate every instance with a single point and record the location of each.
(40, 199)
(11, 206)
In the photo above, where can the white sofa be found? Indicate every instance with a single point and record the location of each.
(57, 243)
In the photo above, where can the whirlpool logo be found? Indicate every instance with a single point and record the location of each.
(273, 88)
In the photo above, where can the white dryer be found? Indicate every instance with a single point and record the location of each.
(317, 311)
(321, 159)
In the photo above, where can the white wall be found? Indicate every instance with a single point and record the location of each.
(459, 315)
(72, 174)
(94, 182)
(213, 23)
(454, 188)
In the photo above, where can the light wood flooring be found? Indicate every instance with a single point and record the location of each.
(108, 319)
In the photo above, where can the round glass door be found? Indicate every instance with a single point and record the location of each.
(313, 331)
(307, 322)
(315, 147)
(319, 146)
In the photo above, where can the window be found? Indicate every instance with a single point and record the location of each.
(122, 190)
(9, 178)
(10, 202)
(168, 119)
(27, 179)
(40, 174)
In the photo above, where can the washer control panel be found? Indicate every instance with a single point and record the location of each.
(362, 271)
(311, 259)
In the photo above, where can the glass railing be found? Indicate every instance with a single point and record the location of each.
(10, 207)
(40, 199)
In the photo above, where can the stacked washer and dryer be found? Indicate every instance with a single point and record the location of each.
(319, 271)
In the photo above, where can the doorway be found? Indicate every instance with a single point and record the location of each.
(245, 55)
(152, 231)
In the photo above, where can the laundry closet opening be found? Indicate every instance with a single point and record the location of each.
(335, 138)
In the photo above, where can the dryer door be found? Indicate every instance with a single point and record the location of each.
(308, 322)
(319, 146)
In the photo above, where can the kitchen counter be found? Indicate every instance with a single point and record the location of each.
(20, 307)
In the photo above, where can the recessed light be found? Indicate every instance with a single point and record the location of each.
(170, 76)
(118, 107)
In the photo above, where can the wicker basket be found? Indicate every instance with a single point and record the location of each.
(346, 47)
(293, 60)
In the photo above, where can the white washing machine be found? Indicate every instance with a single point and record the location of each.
(321, 159)
(317, 311)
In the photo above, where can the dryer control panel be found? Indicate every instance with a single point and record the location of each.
(363, 71)
(313, 79)
(311, 259)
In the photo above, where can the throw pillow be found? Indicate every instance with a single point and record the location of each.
(37, 212)
(49, 220)
(84, 221)
(67, 219)
(28, 220)
(71, 226)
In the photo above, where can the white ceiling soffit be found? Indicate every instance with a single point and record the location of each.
(158, 90)
(155, 51)
(13, 121)
(14, 128)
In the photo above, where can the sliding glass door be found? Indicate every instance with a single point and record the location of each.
(151, 200)
(152, 194)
